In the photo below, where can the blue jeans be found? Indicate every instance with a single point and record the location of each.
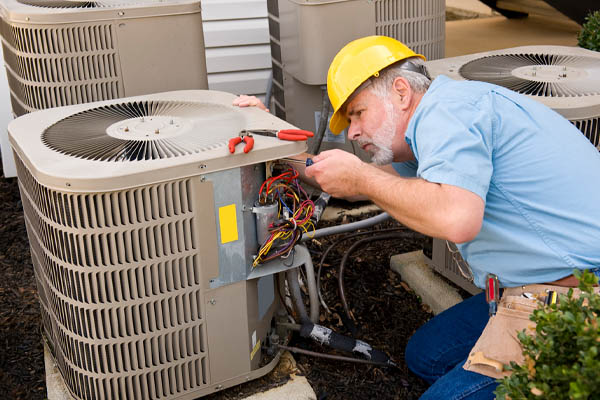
(438, 350)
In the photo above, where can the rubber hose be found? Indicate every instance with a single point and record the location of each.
(353, 226)
(292, 279)
(387, 236)
(326, 336)
(313, 295)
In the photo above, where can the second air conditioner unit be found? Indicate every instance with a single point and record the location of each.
(59, 53)
(142, 239)
(566, 79)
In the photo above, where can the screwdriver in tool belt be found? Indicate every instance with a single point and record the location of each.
(492, 292)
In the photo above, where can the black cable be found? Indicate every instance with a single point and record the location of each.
(397, 235)
(337, 243)
(318, 139)
(332, 356)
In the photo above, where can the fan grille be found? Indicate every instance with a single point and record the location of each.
(85, 135)
(85, 4)
(538, 74)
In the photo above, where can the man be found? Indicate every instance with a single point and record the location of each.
(509, 180)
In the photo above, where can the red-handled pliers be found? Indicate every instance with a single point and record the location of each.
(247, 139)
(283, 134)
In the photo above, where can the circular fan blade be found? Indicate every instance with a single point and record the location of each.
(538, 74)
(144, 130)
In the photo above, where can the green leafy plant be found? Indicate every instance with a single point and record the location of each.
(561, 359)
(589, 36)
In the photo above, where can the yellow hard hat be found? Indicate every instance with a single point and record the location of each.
(354, 64)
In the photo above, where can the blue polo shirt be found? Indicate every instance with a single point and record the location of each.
(537, 173)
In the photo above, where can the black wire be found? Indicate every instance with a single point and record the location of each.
(332, 356)
(397, 235)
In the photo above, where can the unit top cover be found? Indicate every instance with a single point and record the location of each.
(565, 77)
(64, 11)
(128, 142)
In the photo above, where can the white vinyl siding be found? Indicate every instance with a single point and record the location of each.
(238, 55)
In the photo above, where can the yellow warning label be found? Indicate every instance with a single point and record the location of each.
(228, 223)
(254, 350)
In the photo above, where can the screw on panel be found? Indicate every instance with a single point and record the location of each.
(68, 184)
(202, 179)
(219, 387)
(202, 166)
(157, 131)
(121, 13)
(212, 302)
(126, 129)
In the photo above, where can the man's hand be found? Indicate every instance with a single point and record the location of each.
(338, 173)
(249, 101)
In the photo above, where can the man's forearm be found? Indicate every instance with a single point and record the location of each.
(434, 209)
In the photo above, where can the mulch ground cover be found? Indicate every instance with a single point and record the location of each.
(386, 313)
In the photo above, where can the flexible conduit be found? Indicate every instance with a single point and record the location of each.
(365, 223)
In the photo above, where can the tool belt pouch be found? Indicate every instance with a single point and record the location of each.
(498, 344)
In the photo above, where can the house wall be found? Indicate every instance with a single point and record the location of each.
(238, 55)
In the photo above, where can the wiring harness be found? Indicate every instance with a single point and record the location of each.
(295, 210)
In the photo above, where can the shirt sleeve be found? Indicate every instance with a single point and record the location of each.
(453, 143)
(406, 169)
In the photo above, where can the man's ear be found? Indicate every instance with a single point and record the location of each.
(402, 89)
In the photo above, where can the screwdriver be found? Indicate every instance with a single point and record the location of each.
(307, 163)
(492, 293)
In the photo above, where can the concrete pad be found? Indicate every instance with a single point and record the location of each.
(55, 386)
(474, 6)
(434, 291)
(495, 33)
(297, 388)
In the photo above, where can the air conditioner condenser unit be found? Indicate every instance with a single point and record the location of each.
(143, 238)
(63, 52)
